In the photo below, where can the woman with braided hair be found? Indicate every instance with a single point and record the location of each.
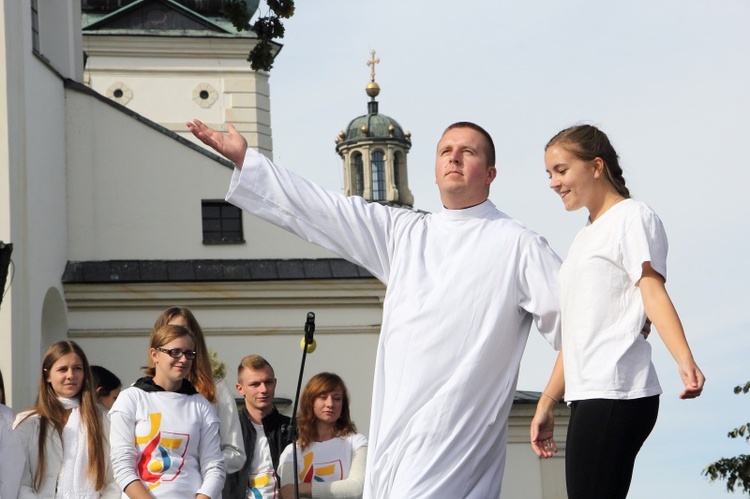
(611, 289)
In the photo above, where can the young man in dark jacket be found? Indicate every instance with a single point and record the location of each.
(265, 432)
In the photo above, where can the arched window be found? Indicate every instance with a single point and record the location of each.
(359, 175)
(378, 176)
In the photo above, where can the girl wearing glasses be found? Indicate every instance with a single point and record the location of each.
(214, 389)
(165, 435)
(65, 436)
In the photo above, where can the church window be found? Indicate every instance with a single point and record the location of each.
(222, 223)
(378, 176)
(359, 175)
(204, 94)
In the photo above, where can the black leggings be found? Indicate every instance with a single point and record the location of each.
(604, 437)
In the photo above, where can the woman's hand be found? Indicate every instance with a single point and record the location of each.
(693, 378)
(542, 431)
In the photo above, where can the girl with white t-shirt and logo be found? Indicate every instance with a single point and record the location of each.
(165, 435)
(331, 455)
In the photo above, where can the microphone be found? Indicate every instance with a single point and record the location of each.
(308, 346)
(308, 340)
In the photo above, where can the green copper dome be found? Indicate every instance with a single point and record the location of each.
(374, 126)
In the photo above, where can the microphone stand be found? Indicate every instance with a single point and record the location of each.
(309, 330)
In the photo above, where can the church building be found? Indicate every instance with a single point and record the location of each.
(112, 212)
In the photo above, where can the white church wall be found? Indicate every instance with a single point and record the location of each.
(34, 169)
(162, 79)
(136, 193)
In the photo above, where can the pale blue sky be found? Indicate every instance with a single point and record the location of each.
(669, 81)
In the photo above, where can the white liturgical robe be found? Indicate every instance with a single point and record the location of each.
(463, 287)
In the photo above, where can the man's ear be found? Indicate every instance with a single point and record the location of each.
(491, 174)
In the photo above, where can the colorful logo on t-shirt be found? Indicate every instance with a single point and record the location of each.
(162, 452)
(327, 471)
(262, 485)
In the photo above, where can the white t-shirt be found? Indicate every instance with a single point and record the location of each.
(327, 461)
(604, 353)
(262, 479)
(167, 440)
(463, 288)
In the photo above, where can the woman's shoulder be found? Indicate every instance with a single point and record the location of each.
(356, 440)
(639, 214)
(635, 208)
(26, 419)
(127, 400)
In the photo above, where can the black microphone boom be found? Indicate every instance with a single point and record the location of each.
(308, 340)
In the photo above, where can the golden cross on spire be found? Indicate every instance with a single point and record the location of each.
(372, 63)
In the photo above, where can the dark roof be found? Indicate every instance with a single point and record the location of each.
(135, 271)
(138, 16)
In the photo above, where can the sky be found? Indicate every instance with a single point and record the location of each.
(667, 80)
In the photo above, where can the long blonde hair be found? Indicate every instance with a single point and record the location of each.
(201, 374)
(51, 412)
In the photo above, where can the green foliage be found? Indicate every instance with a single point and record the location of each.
(218, 368)
(735, 470)
(267, 27)
(236, 11)
(282, 8)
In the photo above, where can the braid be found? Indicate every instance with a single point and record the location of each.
(588, 142)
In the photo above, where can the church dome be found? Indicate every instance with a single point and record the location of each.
(374, 126)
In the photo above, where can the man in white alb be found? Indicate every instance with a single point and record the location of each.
(265, 433)
(463, 287)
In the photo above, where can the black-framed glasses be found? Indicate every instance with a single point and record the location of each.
(176, 353)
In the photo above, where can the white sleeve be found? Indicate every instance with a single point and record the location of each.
(211, 458)
(111, 490)
(232, 445)
(286, 465)
(27, 429)
(539, 288)
(11, 462)
(352, 228)
(645, 240)
(350, 487)
(122, 449)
